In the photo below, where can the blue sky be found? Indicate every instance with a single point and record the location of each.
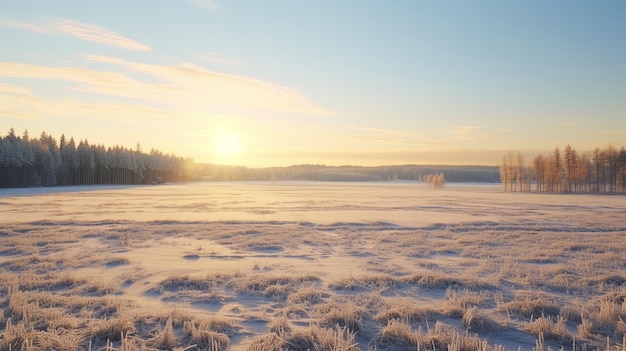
(334, 82)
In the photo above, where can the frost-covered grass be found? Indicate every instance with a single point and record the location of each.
(468, 269)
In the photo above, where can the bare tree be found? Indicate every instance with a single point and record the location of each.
(603, 170)
(540, 172)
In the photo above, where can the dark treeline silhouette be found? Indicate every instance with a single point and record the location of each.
(599, 171)
(349, 173)
(26, 161)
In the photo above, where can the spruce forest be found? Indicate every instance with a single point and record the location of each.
(26, 161)
(569, 171)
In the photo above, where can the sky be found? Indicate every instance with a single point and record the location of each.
(336, 82)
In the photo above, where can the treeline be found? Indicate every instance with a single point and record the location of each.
(599, 171)
(44, 161)
(26, 161)
(487, 174)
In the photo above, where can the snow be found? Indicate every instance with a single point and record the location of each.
(323, 203)
(332, 230)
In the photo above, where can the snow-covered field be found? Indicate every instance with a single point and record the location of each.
(307, 265)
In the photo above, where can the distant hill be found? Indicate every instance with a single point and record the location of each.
(487, 174)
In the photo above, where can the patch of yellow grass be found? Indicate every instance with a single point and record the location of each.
(404, 309)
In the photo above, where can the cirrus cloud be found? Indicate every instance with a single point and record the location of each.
(217, 58)
(22, 103)
(202, 86)
(84, 31)
(98, 34)
(469, 133)
(183, 87)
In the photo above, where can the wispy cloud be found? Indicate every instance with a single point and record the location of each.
(19, 102)
(98, 34)
(206, 86)
(84, 31)
(43, 29)
(12, 89)
(217, 58)
(469, 133)
(208, 5)
(183, 87)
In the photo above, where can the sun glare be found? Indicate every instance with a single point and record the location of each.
(226, 146)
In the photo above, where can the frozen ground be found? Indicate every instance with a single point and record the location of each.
(277, 265)
(400, 203)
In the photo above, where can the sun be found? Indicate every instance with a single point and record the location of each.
(226, 146)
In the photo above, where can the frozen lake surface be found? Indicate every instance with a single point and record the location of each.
(400, 203)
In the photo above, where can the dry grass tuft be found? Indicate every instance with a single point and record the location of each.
(165, 338)
(405, 309)
(58, 340)
(179, 316)
(459, 300)
(99, 288)
(550, 329)
(16, 337)
(113, 329)
(116, 261)
(346, 316)
(49, 281)
(585, 328)
(399, 335)
(178, 283)
(318, 338)
(396, 334)
(278, 287)
(208, 339)
(267, 342)
(465, 298)
(279, 326)
(18, 305)
(608, 315)
(307, 294)
(474, 320)
(376, 282)
(64, 322)
(442, 336)
(201, 287)
(446, 337)
(531, 305)
(430, 280)
(209, 332)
